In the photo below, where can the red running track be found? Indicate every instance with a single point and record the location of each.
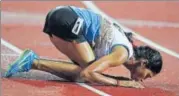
(31, 36)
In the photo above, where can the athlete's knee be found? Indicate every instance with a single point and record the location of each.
(88, 60)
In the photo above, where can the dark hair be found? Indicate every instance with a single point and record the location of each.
(129, 36)
(154, 58)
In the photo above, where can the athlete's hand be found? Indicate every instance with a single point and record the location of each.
(136, 84)
(132, 84)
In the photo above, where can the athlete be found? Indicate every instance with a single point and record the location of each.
(94, 44)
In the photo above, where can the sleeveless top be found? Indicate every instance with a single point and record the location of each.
(101, 33)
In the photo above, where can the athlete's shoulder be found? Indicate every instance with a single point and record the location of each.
(119, 55)
(120, 39)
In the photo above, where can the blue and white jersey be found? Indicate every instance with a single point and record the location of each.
(109, 37)
(91, 20)
(102, 32)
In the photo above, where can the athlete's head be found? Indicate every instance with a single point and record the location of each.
(147, 63)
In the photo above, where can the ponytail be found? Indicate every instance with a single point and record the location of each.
(129, 36)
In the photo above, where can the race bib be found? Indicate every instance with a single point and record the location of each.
(77, 26)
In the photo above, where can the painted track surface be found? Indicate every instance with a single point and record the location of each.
(31, 36)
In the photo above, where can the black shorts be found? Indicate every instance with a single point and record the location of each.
(64, 23)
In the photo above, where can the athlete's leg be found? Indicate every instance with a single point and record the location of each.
(59, 25)
(63, 69)
(30, 60)
(79, 52)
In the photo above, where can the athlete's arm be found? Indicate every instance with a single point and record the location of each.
(93, 73)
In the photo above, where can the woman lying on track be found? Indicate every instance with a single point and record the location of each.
(94, 44)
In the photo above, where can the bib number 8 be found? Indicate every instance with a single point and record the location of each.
(77, 26)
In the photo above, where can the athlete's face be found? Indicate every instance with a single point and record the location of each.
(140, 72)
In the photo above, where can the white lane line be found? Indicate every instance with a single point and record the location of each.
(22, 18)
(19, 51)
(38, 19)
(10, 46)
(142, 23)
(92, 6)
